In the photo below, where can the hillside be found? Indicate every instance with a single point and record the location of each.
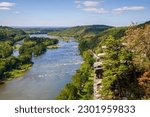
(8, 33)
(40, 30)
(81, 31)
(124, 70)
(117, 32)
(83, 80)
(11, 31)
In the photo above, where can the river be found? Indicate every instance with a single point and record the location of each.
(48, 76)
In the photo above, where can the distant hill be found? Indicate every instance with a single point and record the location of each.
(117, 33)
(81, 31)
(7, 33)
(41, 30)
(11, 31)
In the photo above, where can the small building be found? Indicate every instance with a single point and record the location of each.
(98, 69)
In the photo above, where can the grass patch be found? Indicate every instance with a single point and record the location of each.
(16, 73)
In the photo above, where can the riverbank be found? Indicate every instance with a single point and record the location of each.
(81, 86)
(53, 47)
(48, 75)
(16, 73)
(20, 60)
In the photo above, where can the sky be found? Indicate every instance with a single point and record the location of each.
(73, 12)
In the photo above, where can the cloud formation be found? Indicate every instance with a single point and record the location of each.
(4, 8)
(90, 6)
(91, 3)
(131, 8)
(6, 5)
(96, 10)
(95, 7)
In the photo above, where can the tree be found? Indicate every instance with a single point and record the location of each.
(25, 58)
(144, 82)
(138, 40)
(83, 46)
(88, 57)
(117, 67)
(5, 49)
(70, 92)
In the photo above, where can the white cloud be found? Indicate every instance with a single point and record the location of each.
(90, 6)
(90, 9)
(96, 10)
(131, 8)
(4, 8)
(95, 7)
(90, 3)
(7, 4)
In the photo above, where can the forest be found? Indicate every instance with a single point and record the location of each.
(81, 31)
(12, 66)
(126, 63)
(40, 30)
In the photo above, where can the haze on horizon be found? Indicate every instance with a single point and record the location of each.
(65, 13)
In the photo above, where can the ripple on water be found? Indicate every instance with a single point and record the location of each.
(49, 74)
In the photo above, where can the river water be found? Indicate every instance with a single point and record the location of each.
(48, 76)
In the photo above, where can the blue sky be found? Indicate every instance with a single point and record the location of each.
(73, 12)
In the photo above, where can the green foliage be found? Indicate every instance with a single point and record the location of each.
(88, 57)
(40, 30)
(27, 47)
(87, 40)
(10, 66)
(68, 93)
(89, 91)
(25, 58)
(81, 32)
(117, 33)
(5, 49)
(36, 46)
(11, 34)
(117, 66)
(80, 81)
(8, 36)
(119, 71)
(83, 46)
(39, 49)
